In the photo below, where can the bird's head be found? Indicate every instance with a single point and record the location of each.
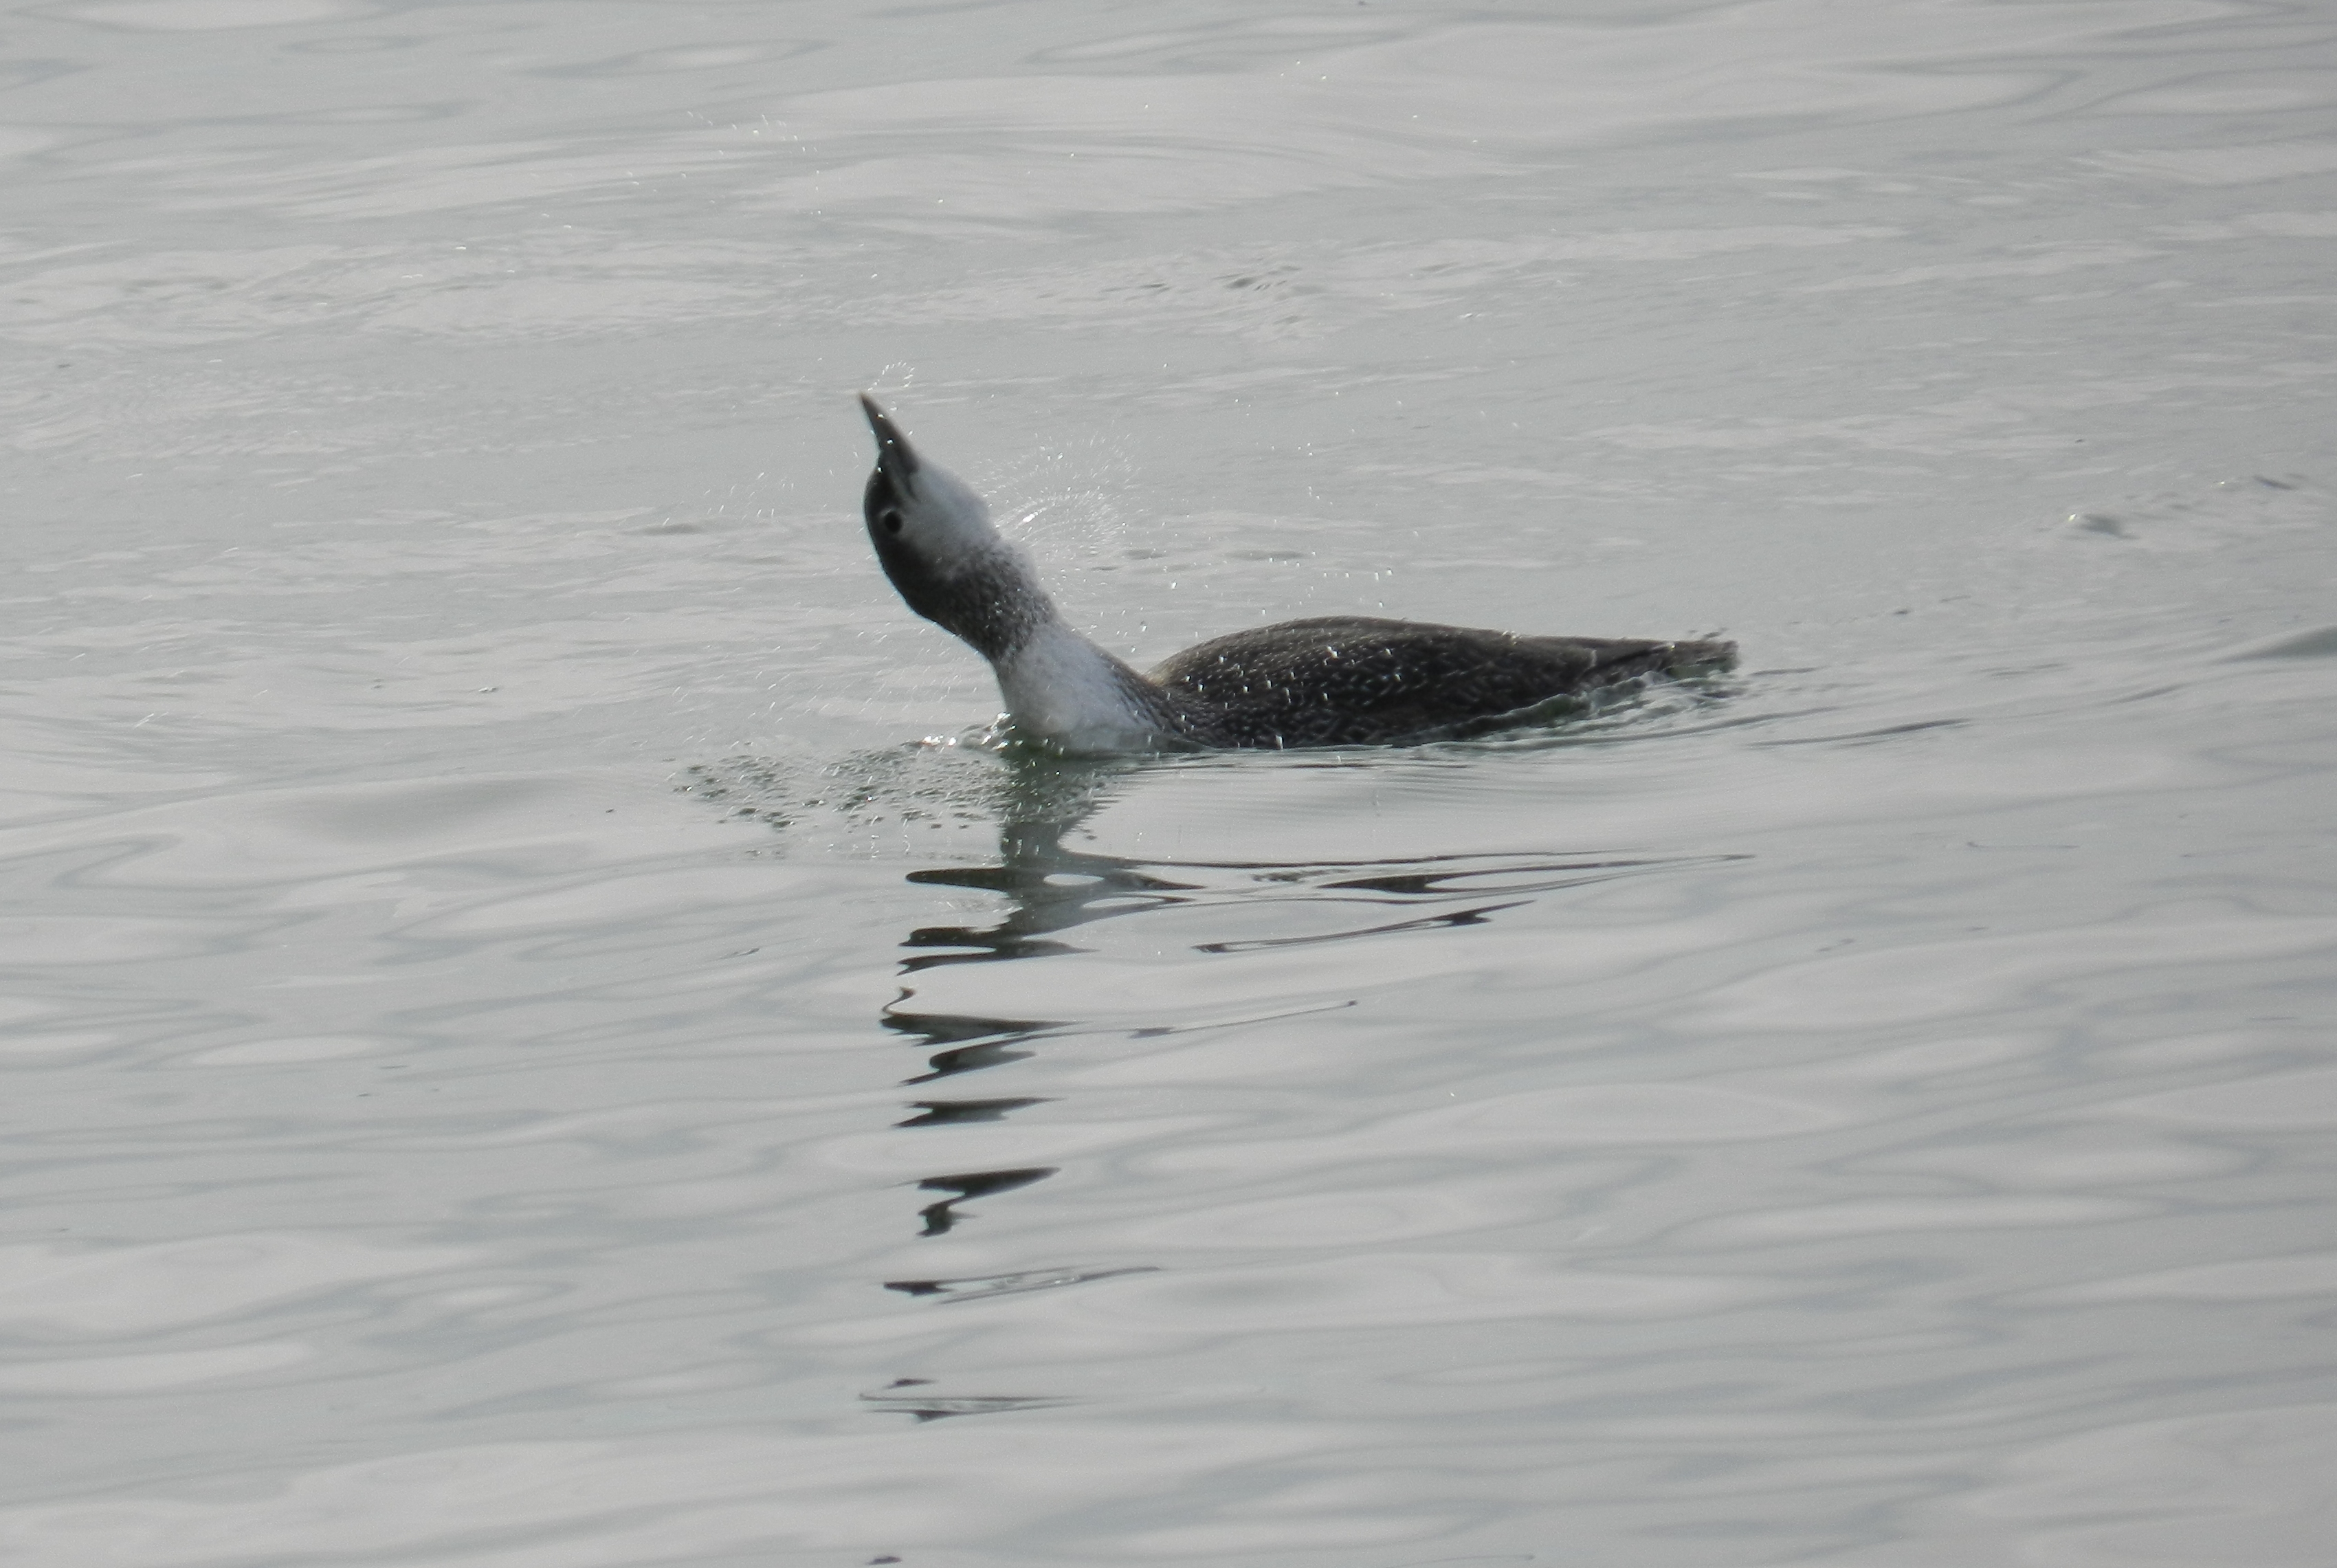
(933, 537)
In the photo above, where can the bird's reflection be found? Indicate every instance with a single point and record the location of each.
(1050, 890)
(1054, 890)
(969, 1044)
(947, 1112)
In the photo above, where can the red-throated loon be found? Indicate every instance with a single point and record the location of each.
(1339, 681)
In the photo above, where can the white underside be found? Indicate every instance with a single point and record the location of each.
(1062, 688)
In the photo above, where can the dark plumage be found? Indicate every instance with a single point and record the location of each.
(1337, 681)
(1352, 679)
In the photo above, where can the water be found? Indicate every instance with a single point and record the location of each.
(519, 1051)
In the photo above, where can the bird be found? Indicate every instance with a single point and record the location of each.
(1329, 681)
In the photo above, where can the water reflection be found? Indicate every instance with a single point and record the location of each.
(971, 1044)
(1050, 890)
(940, 1217)
(947, 1113)
(982, 1287)
(910, 1397)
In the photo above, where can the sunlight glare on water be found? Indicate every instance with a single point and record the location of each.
(535, 1039)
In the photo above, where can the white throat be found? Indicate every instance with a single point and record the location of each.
(1063, 689)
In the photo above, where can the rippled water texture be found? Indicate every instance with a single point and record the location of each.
(522, 1050)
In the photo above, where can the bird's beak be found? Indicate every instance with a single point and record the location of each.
(894, 457)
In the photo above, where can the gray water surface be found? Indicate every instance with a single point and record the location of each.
(535, 1037)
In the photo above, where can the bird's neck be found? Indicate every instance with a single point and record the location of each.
(992, 601)
(1061, 689)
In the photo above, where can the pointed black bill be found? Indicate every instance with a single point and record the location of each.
(893, 453)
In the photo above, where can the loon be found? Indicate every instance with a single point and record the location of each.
(1334, 680)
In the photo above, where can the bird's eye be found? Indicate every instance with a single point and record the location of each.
(892, 521)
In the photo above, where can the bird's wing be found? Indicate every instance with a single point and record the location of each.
(1344, 679)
